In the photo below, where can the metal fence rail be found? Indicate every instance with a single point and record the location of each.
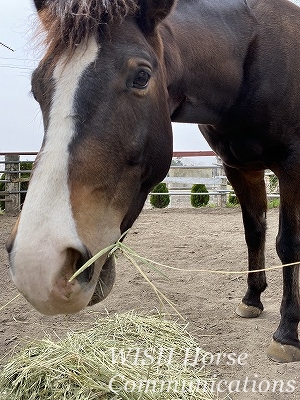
(12, 179)
(179, 180)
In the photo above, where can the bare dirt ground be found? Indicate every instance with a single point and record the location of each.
(185, 238)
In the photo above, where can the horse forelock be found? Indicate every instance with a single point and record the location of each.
(67, 23)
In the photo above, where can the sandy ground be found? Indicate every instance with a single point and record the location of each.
(209, 238)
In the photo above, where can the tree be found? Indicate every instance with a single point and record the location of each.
(160, 200)
(199, 200)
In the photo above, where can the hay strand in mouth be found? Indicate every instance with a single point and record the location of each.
(126, 250)
(132, 256)
(109, 250)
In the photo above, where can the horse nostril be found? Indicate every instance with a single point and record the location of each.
(9, 244)
(88, 273)
(78, 259)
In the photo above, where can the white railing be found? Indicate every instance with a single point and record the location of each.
(179, 180)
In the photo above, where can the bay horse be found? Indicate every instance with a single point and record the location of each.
(114, 76)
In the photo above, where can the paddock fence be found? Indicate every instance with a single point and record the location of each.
(15, 169)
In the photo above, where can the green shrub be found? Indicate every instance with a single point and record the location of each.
(199, 200)
(233, 200)
(160, 201)
(274, 203)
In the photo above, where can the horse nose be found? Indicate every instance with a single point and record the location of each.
(44, 278)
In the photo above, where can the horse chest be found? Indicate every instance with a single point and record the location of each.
(243, 149)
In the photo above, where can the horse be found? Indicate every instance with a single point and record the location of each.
(114, 75)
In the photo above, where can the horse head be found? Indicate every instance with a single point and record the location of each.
(102, 90)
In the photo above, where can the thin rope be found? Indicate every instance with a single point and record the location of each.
(221, 272)
(126, 250)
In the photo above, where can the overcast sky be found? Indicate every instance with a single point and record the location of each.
(20, 118)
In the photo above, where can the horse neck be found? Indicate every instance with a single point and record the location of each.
(204, 62)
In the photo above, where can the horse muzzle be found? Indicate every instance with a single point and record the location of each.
(44, 279)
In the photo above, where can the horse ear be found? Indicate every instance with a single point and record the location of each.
(152, 12)
(40, 4)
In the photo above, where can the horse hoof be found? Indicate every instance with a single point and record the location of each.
(245, 311)
(283, 353)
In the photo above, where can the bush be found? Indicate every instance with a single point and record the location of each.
(233, 200)
(199, 200)
(160, 201)
(274, 203)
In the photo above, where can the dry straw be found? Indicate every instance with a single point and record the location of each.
(83, 366)
(87, 365)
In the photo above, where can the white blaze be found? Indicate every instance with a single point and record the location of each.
(46, 226)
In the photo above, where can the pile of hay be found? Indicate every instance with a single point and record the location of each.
(89, 364)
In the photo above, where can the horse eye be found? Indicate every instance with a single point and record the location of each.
(141, 80)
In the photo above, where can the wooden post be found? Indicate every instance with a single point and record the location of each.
(222, 199)
(224, 188)
(12, 186)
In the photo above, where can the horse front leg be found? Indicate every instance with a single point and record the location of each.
(251, 192)
(286, 346)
